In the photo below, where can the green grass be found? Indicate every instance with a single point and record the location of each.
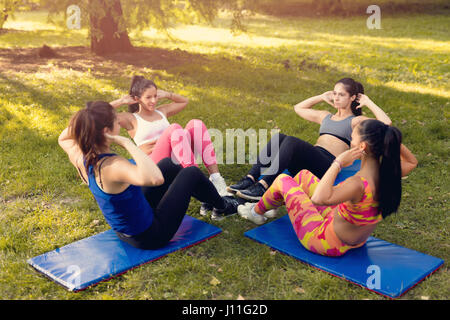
(232, 82)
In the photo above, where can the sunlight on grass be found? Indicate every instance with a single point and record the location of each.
(388, 42)
(29, 25)
(33, 115)
(415, 87)
(59, 84)
(406, 65)
(31, 21)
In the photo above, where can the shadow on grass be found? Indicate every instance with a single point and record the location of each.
(205, 72)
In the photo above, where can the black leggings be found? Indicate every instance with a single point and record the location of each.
(293, 154)
(170, 202)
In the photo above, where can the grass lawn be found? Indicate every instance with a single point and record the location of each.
(245, 81)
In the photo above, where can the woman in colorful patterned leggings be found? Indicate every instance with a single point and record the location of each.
(330, 220)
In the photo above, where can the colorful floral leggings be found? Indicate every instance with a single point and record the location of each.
(312, 224)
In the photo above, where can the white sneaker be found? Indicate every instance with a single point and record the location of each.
(269, 214)
(272, 213)
(245, 211)
(204, 208)
(221, 186)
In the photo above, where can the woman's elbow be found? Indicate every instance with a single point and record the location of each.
(317, 200)
(150, 181)
(408, 167)
(158, 181)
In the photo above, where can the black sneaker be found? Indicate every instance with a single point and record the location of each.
(254, 192)
(230, 209)
(243, 184)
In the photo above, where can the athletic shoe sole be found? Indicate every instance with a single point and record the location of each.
(219, 217)
(244, 196)
(229, 189)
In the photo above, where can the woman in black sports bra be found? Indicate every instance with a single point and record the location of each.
(335, 135)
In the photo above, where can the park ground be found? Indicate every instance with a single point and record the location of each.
(248, 80)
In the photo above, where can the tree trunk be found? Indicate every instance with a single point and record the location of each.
(108, 31)
(3, 18)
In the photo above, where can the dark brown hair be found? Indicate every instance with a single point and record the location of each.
(86, 127)
(353, 88)
(138, 86)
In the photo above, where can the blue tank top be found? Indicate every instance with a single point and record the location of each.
(341, 129)
(127, 212)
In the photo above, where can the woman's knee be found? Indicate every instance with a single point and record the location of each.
(281, 177)
(191, 172)
(195, 123)
(174, 126)
(292, 141)
(302, 175)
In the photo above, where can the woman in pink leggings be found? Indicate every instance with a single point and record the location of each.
(151, 131)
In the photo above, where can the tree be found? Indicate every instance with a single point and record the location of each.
(110, 20)
(7, 8)
(107, 27)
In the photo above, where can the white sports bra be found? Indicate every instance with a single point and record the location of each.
(148, 131)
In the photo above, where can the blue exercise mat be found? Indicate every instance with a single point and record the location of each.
(379, 266)
(103, 256)
(344, 174)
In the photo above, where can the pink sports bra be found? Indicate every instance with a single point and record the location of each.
(362, 213)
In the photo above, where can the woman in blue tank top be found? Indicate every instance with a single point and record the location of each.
(143, 202)
(287, 152)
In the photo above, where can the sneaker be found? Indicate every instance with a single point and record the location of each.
(231, 205)
(245, 211)
(254, 192)
(272, 213)
(204, 208)
(242, 184)
(221, 186)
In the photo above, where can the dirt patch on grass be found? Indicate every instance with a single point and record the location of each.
(82, 59)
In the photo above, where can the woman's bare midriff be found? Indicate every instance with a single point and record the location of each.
(349, 233)
(332, 144)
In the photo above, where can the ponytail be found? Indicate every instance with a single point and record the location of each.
(384, 143)
(138, 85)
(354, 88)
(390, 189)
(86, 127)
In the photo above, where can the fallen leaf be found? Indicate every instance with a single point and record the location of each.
(214, 281)
(299, 290)
(95, 223)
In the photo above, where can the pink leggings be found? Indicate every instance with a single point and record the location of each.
(182, 145)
